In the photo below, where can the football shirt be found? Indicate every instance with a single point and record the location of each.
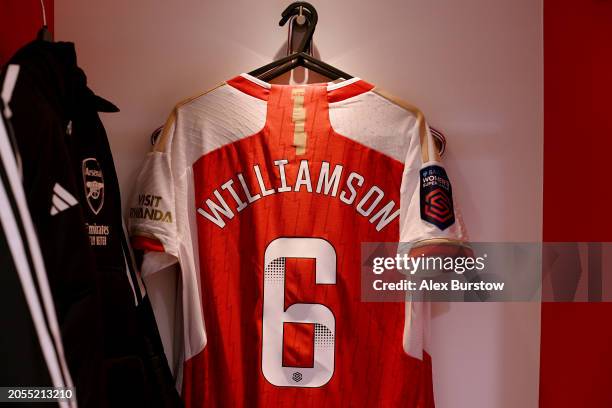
(263, 194)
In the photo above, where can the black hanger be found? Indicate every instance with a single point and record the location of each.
(300, 57)
(44, 34)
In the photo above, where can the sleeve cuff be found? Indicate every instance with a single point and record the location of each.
(147, 244)
(441, 248)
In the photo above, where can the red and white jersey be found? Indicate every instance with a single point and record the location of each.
(263, 194)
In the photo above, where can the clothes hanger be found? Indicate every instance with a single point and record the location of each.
(44, 34)
(307, 12)
(299, 10)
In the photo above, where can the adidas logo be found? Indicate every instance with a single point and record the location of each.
(61, 200)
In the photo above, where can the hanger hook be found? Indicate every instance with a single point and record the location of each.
(44, 13)
(292, 20)
(306, 11)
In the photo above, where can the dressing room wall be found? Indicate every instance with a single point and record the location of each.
(473, 67)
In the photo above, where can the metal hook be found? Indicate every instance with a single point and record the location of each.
(300, 19)
(290, 37)
(44, 13)
(44, 34)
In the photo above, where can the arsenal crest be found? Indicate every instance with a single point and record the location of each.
(94, 184)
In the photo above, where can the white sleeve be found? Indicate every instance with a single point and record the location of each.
(430, 223)
(429, 213)
(152, 220)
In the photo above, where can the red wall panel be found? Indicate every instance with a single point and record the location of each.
(20, 20)
(576, 354)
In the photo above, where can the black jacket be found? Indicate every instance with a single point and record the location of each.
(112, 345)
(30, 346)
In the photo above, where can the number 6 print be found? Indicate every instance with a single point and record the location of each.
(274, 315)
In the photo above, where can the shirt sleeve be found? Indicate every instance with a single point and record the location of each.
(152, 211)
(431, 221)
